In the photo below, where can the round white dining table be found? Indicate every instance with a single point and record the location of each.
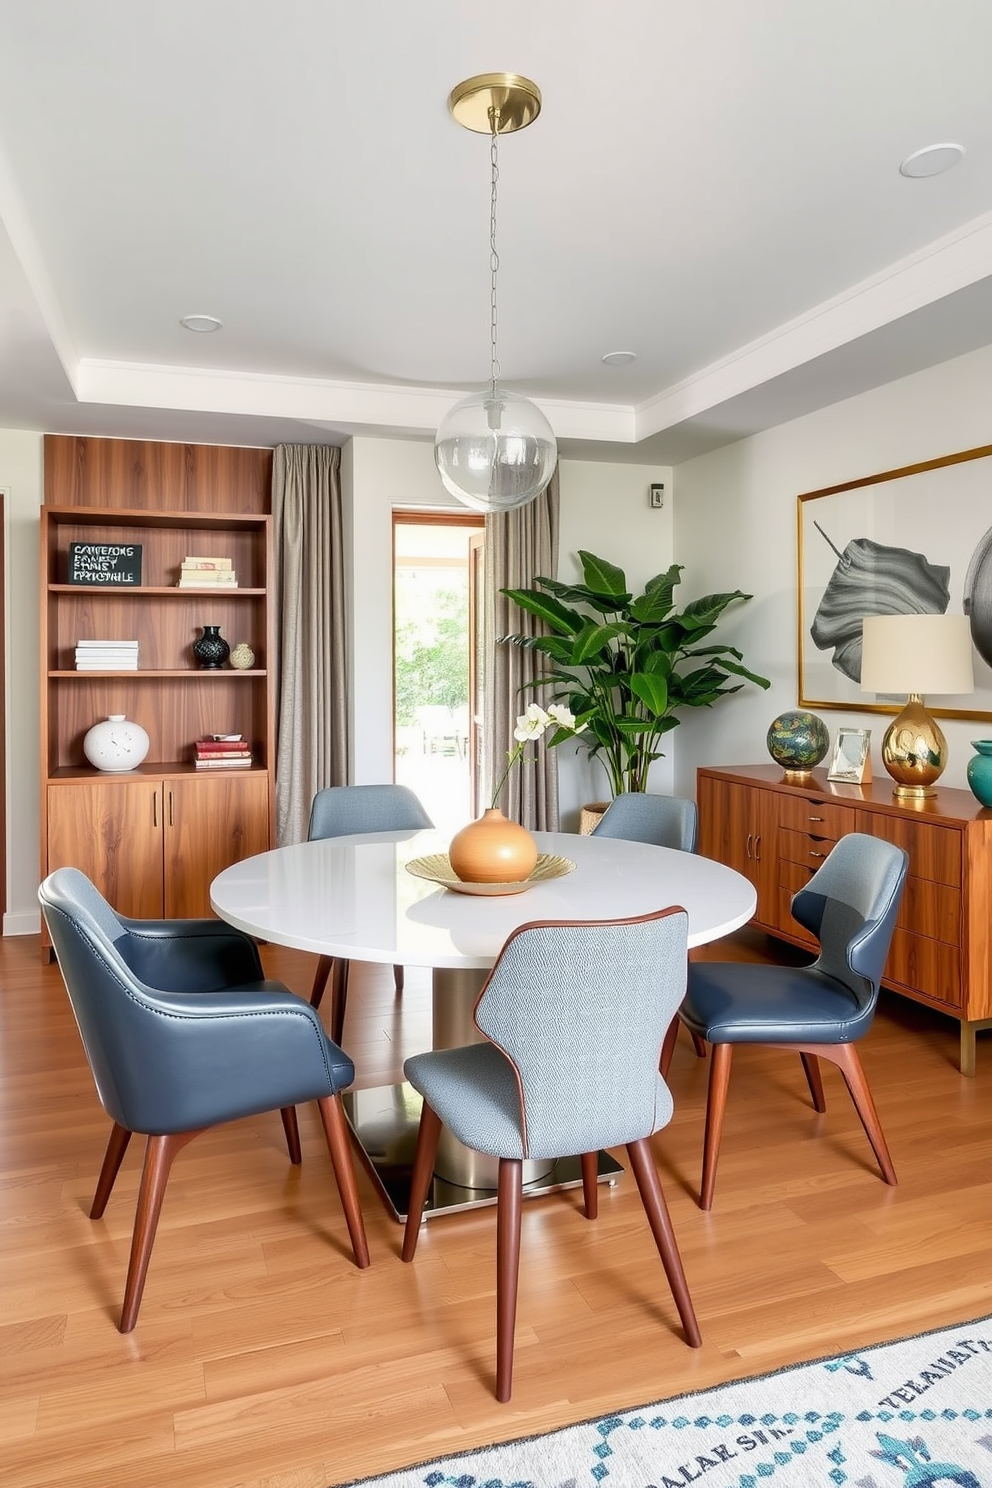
(353, 897)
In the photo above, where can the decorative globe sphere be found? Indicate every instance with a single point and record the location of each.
(496, 451)
(797, 741)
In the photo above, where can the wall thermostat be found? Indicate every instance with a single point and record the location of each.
(658, 496)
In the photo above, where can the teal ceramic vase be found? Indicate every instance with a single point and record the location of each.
(797, 741)
(980, 771)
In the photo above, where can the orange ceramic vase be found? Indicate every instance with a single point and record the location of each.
(493, 850)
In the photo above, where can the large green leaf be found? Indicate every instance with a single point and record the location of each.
(593, 640)
(708, 609)
(604, 578)
(652, 608)
(742, 671)
(652, 689)
(548, 609)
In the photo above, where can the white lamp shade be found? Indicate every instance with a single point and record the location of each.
(495, 453)
(924, 654)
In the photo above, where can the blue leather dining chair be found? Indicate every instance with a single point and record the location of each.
(850, 904)
(666, 821)
(182, 1031)
(342, 811)
(572, 1016)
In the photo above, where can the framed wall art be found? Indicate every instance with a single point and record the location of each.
(912, 541)
(851, 761)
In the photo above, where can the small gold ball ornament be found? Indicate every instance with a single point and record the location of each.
(243, 657)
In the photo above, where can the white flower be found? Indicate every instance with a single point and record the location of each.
(562, 718)
(531, 725)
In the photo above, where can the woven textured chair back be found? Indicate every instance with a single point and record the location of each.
(581, 1011)
(850, 904)
(342, 810)
(665, 821)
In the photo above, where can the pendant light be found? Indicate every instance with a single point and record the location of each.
(495, 450)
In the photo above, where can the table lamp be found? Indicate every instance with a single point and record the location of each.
(916, 654)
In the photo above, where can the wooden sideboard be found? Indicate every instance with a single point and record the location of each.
(777, 832)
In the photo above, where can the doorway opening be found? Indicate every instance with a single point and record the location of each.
(437, 647)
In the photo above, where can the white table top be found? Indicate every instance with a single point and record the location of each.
(352, 897)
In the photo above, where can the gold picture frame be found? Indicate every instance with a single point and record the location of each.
(851, 762)
(913, 540)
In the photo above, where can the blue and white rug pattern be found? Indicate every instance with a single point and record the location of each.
(916, 1413)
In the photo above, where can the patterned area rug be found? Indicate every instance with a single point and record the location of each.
(909, 1414)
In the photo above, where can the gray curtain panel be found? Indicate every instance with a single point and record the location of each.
(520, 546)
(311, 685)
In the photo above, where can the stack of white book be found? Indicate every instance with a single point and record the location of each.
(207, 573)
(106, 656)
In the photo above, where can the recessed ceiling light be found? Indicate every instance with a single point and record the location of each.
(619, 358)
(202, 323)
(932, 160)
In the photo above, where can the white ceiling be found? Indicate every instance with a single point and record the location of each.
(712, 184)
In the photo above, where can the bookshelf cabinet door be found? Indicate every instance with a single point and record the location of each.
(112, 831)
(210, 822)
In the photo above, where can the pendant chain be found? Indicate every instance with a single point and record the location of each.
(493, 254)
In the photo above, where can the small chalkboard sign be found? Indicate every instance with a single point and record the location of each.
(105, 565)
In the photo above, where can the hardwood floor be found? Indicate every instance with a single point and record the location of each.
(262, 1358)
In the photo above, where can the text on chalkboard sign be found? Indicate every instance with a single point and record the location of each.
(105, 563)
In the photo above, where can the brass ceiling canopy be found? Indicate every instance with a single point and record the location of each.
(503, 99)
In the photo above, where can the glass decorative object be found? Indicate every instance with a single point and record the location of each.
(797, 741)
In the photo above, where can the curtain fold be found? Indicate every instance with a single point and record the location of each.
(520, 546)
(311, 683)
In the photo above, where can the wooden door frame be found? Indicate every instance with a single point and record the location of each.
(4, 492)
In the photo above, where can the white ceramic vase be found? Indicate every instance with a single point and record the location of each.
(115, 744)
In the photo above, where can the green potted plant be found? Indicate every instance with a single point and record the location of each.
(626, 665)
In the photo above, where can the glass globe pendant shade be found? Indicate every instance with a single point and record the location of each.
(495, 451)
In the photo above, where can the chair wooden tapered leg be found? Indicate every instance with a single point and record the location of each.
(811, 1069)
(668, 1047)
(509, 1194)
(160, 1152)
(339, 998)
(113, 1157)
(848, 1061)
(398, 980)
(653, 1199)
(716, 1105)
(428, 1137)
(336, 1132)
(291, 1127)
(324, 966)
(590, 1183)
(699, 1044)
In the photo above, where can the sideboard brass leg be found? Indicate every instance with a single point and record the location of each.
(968, 1048)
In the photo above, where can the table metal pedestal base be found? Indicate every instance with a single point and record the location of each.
(385, 1122)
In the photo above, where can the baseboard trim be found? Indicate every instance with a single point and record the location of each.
(26, 922)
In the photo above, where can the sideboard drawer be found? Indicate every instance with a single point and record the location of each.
(926, 966)
(798, 847)
(934, 852)
(931, 909)
(808, 814)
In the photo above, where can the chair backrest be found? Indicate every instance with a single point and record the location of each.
(113, 1008)
(850, 905)
(342, 810)
(667, 821)
(581, 1011)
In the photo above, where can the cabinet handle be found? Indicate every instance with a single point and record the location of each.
(155, 809)
(170, 808)
(816, 854)
(747, 850)
(757, 848)
(814, 818)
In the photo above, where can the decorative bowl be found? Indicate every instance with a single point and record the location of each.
(438, 869)
(797, 741)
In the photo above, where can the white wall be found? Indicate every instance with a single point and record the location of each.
(21, 476)
(735, 528)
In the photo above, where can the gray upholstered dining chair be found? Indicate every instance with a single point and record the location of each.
(667, 821)
(821, 1010)
(573, 1016)
(182, 1031)
(342, 811)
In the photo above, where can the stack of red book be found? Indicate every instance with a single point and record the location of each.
(221, 752)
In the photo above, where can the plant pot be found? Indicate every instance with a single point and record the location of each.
(591, 815)
(493, 850)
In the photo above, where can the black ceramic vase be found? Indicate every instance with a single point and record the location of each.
(211, 649)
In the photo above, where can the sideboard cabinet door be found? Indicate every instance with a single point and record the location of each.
(112, 831)
(209, 824)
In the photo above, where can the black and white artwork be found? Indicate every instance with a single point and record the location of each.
(912, 541)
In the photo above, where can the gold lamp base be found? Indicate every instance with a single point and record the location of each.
(914, 751)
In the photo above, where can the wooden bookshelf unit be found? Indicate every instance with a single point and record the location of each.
(153, 839)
